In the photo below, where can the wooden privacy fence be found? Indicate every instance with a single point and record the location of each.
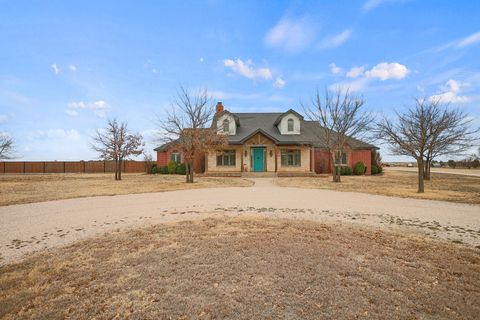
(70, 166)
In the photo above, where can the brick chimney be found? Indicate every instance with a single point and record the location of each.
(219, 107)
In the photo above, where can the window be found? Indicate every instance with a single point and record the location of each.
(290, 125)
(226, 158)
(226, 125)
(291, 158)
(175, 156)
(341, 158)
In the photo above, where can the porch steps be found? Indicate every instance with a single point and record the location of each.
(259, 174)
(296, 174)
(223, 174)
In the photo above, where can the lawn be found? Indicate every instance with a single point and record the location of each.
(16, 189)
(244, 268)
(442, 186)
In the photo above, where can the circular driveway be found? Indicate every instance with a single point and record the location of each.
(32, 227)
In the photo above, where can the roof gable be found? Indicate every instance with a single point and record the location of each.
(290, 111)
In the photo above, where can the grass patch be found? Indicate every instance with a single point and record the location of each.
(244, 268)
(446, 187)
(16, 189)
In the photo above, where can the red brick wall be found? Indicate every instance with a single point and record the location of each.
(362, 155)
(322, 161)
(163, 157)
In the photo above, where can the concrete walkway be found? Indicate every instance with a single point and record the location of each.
(32, 227)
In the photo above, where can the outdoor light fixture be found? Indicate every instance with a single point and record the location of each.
(271, 153)
(245, 153)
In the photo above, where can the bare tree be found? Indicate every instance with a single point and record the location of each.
(6, 146)
(116, 143)
(340, 116)
(148, 159)
(427, 131)
(187, 126)
(449, 132)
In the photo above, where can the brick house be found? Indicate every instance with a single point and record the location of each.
(282, 143)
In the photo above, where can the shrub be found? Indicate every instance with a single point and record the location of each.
(153, 168)
(345, 171)
(162, 170)
(452, 163)
(172, 166)
(380, 169)
(359, 168)
(374, 169)
(181, 169)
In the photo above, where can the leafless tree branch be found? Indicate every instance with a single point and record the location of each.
(115, 142)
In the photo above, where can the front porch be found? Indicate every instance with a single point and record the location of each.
(261, 156)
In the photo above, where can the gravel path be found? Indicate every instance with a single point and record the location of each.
(28, 228)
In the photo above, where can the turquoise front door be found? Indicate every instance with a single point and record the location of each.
(258, 159)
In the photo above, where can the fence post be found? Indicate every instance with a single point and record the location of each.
(44, 167)
(104, 166)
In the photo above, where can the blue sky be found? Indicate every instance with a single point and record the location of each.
(67, 66)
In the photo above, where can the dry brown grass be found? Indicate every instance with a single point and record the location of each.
(246, 268)
(447, 187)
(15, 189)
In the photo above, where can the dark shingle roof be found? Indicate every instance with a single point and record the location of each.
(248, 124)
(310, 131)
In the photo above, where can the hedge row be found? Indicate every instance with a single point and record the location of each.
(359, 169)
(171, 168)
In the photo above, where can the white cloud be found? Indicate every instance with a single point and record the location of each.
(247, 69)
(355, 72)
(385, 71)
(71, 113)
(471, 39)
(372, 4)
(72, 68)
(460, 43)
(63, 134)
(291, 35)
(218, 94)
(56, 69)
(279, 83)
(99, 108)
(336, 40)
(353, 85)
(56, 144)
(449, 93)
(154, 70)
(3, 118)
(334, 69)
(201, 60)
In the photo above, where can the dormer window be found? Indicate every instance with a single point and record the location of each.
(290, 125)
(226, 125)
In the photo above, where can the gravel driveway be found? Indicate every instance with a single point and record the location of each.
(31, 227)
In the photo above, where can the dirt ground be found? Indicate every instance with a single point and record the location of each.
(244, 268)
(442, 186)
(16, 189)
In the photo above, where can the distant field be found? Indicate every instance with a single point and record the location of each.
(20, 188)
(442, 186)
(462, 171)
(246, 268)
